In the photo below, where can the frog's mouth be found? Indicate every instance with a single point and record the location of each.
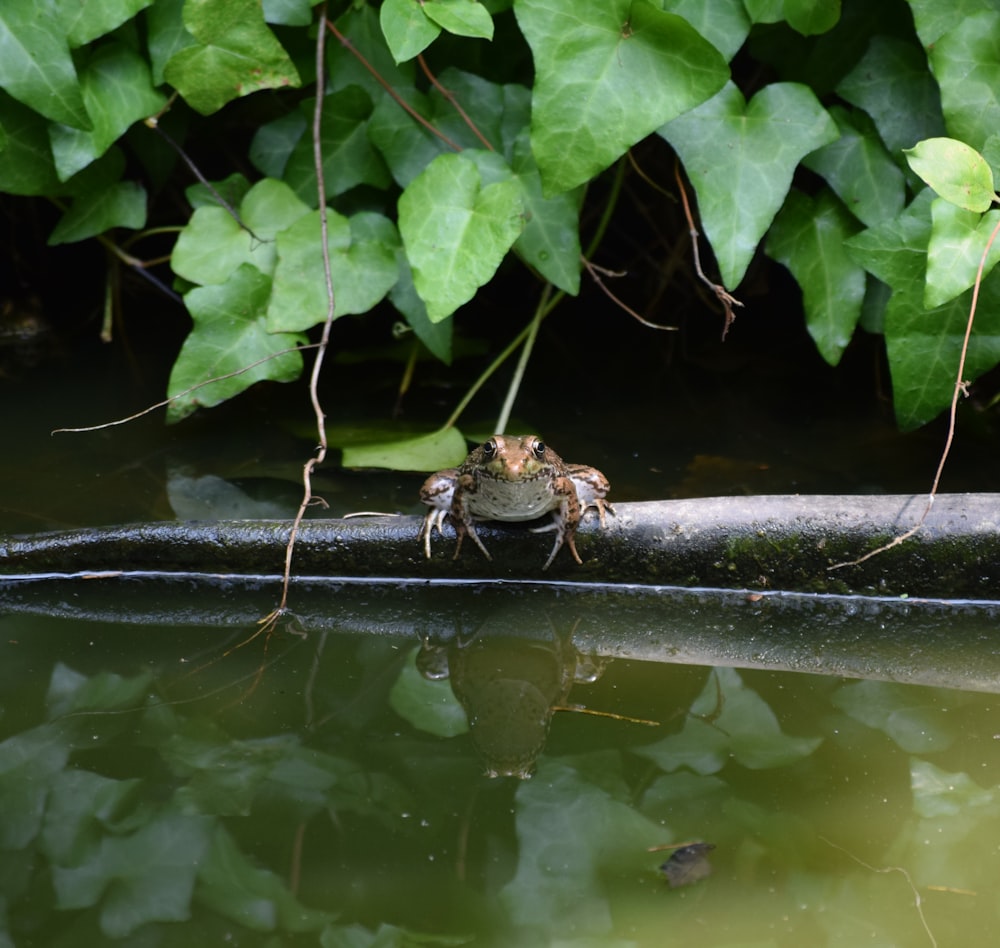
(526, 470)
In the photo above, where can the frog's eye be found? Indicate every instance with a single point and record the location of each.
(539, 449)
(490, 449)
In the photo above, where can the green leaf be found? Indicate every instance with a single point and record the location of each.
(592, 58)
(28, 762)
(362, 264)
(560, 883)
(958, 239)
(229, 334)
(933, 19)
(430, 706)
(461, 17)
(407, 28)
(117, 91)
(72, 693)
(810, 17)
(550, 241)
(740, 158)
(85, 22)
(146, 877)
(892, 84)
(166, 34)
(746, 730)
(349, 158)
(957, 172)
(119, 205)
(235, 54)
(939, 793)
(288, 12)
(724, 23)
(81, 807)
(273, 143)
(859, 170)
(257, 899)
(35, 63)
(457, 230)
(902, 714)
(808, 237)
(26, 165)
(923, 345)
(966, 64)
(214, 245)
(359, 24)
(435, 451)
(437, 337)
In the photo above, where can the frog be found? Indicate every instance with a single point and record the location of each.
(513, 478)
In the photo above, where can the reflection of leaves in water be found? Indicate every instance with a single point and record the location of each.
(575, 826)
(902, 713)
(429, 705)
(745, 729)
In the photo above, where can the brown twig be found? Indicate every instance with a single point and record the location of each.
(403, 104)
(308, 498)
(961, 388)
(595, 272)
(453, 102)
(187, 391)
(723, 295)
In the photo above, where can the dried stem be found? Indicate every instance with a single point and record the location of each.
(723, 295)
(308, 498)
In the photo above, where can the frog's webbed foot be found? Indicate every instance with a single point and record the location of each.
(603, 506)
(563, 535)
(461, 529)
(434, 519)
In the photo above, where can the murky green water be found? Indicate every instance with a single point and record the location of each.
(167, 785)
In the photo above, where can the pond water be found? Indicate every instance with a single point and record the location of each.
(488, 777)
(169, 775)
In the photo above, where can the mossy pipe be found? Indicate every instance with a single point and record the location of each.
(772, 542)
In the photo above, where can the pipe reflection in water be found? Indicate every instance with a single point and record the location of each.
(509, 688)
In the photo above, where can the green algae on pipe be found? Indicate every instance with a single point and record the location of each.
(761, 542)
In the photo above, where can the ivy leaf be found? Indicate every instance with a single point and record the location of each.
(724, 23)
(213, 244)
(957, 172)
(26, 165)
(85, 22)
(229, 334)
(859, 170)
(592, 58)
(117, 91)
(958, 239)
(435, 451)
(808, 237)
(430, 706)
(362, 263)
(457, 229)
(966, 63)
(407, 28)
(166, 34)
(461, 17)
(892, 84)
(349, 158)
(235, 54)
(740, 158)
(35, 63)
(118, 205)
(923, 345)
(550, 241)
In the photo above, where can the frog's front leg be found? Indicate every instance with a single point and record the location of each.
(438, 492)
(461, 517)
(565, 519)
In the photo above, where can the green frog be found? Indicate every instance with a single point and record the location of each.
(513, 479)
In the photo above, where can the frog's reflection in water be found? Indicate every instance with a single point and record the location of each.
(509, 688)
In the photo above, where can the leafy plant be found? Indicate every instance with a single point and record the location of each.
(456, 134)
